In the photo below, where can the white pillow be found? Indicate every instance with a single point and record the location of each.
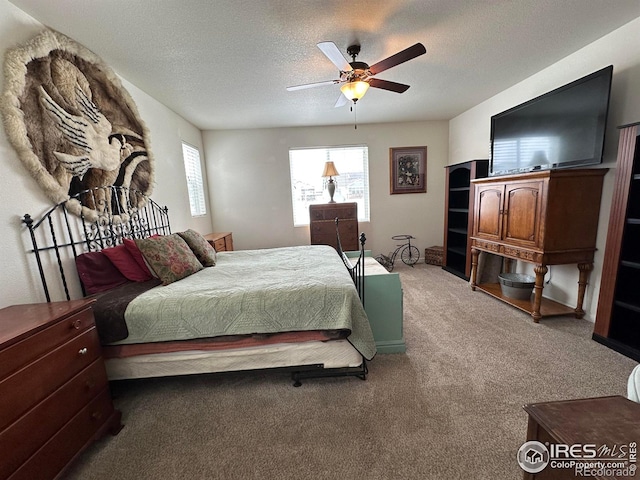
(633, 386)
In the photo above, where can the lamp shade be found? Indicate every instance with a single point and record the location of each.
(354, 91)
(330, 170)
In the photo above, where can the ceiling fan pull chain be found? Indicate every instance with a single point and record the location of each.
(354, 109)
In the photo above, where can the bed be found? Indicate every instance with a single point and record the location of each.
(299, 308)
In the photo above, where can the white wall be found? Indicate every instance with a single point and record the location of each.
(19, 193)
(469, 133)
(249, 182)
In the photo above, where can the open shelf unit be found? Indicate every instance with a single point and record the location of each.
(456, 256)
(618, 316)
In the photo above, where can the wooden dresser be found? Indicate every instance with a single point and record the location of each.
(54, 394)
(222, 242)
(322, 225)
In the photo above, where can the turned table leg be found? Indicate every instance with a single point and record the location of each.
(541, 271)
(584, 269)
(474, 267)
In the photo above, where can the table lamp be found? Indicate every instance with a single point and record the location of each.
(330, 171)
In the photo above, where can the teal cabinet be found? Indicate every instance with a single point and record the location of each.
(384, 307)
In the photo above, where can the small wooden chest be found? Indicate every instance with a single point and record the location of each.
(433, 255)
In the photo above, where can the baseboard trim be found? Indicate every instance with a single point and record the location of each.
(457, 273)
(391, 346)
(619, 347)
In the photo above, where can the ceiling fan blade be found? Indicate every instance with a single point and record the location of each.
(341, 102)
(312, 85)
(333, 53)
(387, 85)
(400, 57)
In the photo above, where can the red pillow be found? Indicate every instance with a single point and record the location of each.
(126, 263)
(133, 249)
(97, 273)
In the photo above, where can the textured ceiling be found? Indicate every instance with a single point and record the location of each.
(226, 63)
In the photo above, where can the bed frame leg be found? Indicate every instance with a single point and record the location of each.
(319, 372)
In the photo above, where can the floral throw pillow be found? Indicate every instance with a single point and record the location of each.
(200, 247)
(169, 256)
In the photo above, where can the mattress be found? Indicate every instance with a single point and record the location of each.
(254, 291)
(331, 354)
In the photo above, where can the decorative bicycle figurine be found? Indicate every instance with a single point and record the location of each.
(409, 254)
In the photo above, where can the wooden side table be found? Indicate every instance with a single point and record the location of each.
(612, 422)
(222, 242)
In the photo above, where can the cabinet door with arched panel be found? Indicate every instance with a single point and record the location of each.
(487, 222)
(521, 214)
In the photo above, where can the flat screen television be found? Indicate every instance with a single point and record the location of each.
(560, 129)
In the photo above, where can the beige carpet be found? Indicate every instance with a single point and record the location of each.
(450, 408)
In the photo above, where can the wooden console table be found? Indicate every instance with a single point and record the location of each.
(544, 218)
(601, 421)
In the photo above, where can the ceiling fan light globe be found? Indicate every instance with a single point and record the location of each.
(354, 91)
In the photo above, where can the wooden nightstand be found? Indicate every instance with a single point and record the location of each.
(222, 242)
(54, 394)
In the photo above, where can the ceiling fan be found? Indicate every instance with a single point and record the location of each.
(357, 77)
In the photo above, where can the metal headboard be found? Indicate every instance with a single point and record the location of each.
(356, 271)
(110, 214)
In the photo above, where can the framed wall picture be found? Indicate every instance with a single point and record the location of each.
(408, 169)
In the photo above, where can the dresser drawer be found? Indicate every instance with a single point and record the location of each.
(323, 212)
(322, 239)
(348, 227)
(324, 226)
(220, 245)
(27, 434)
(14, 357)
(26, 387)
(54, 455)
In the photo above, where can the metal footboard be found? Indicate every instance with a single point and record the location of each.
(355, 270)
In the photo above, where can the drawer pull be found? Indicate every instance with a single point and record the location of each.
(90, 383)
(83, 351)
(96, 415)
(76, 324)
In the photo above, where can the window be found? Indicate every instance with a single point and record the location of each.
(309, 187)
(193, 170)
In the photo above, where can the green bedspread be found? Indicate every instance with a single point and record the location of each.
(255, 291)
